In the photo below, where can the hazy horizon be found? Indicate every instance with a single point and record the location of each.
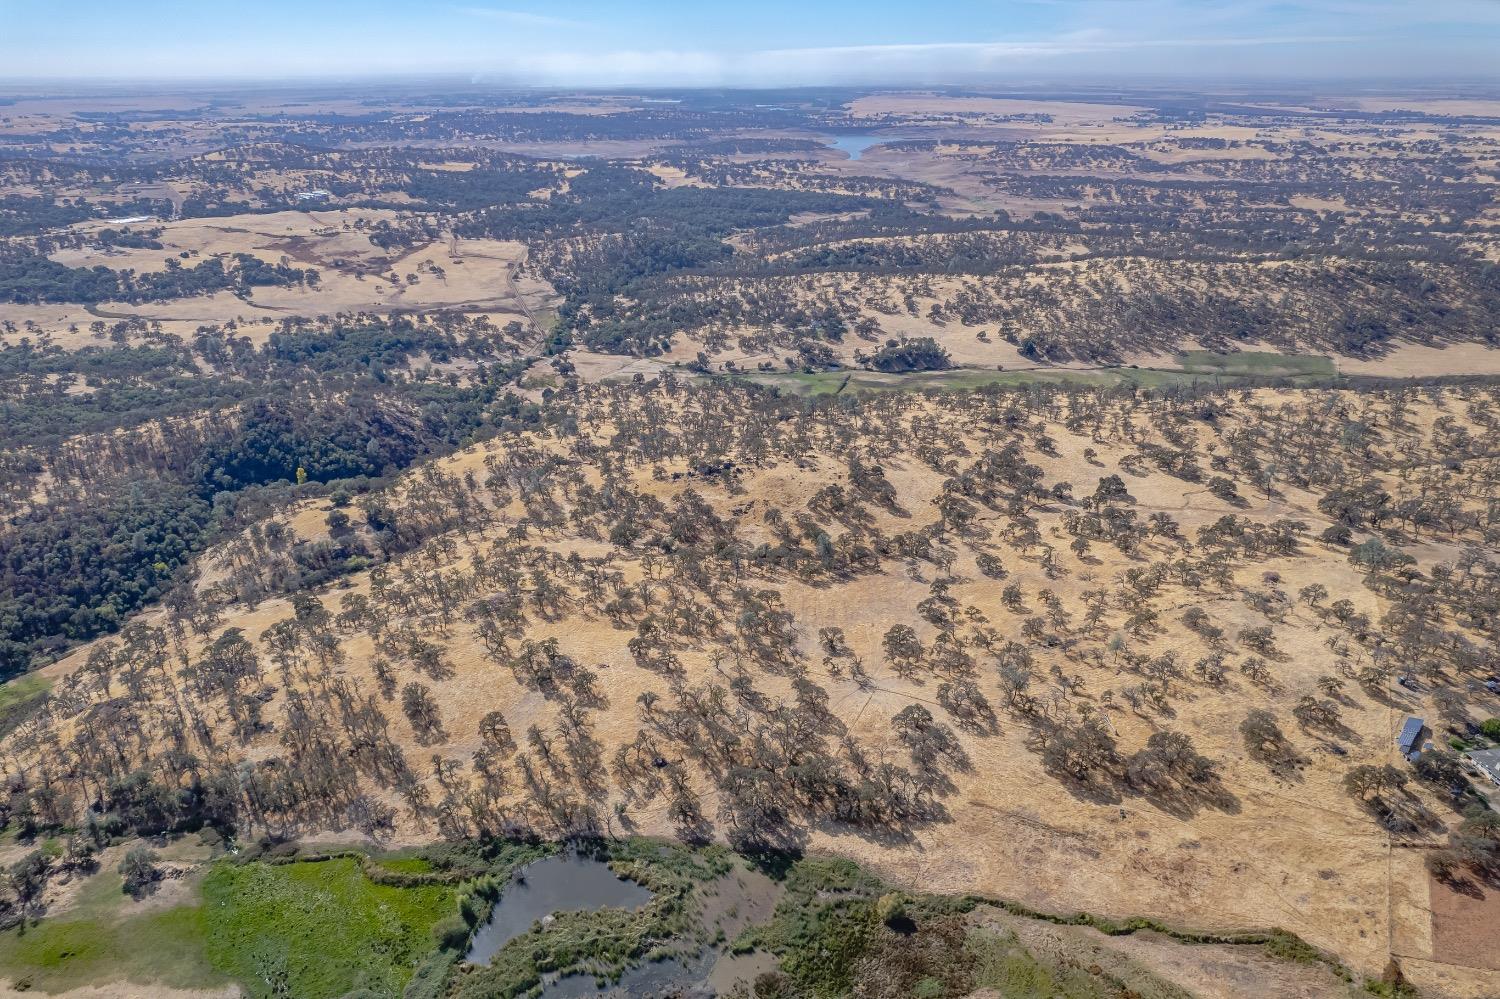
(667, 43)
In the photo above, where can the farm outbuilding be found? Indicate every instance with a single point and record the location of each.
(1410, 737)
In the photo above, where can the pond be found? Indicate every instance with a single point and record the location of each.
(855, 145)
(563, 883)
(725, 907)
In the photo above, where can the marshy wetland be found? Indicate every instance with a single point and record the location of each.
(568, 922)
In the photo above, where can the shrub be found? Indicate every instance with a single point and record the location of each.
(891, 908)
(920, 354)
(138, 872)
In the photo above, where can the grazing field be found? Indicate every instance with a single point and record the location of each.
(102, 940)
(319, 930)
(354, 276)
(1191, 367)
(300, 929)
(1256, 363)
(18, 698)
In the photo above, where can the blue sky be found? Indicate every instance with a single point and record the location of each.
(771, 42)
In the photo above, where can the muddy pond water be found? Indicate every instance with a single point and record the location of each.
(706, 974)
(571, 883)
(563, 883)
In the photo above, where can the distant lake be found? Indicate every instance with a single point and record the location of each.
(855, 145)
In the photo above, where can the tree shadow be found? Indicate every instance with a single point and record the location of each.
(1186, 801)
(1461, 884)
(1387, 698)
(1331, 733)
(1094, 792)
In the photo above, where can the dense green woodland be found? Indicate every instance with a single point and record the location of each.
(78, 570)
(326, 403)
(22, 215)
(29, 278)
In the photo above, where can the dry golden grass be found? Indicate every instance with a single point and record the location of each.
(486, 277)
(1296, 853)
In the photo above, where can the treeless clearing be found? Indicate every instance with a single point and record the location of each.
(1415, 360)
(355, 277)
(1465, 924)
(1210, 971)
(1483, 108)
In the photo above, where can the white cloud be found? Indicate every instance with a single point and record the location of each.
(521, 18)
(1103, 37)
(925, 62)
(1096, 38)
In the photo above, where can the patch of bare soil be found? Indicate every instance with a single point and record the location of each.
(737, 900)
(1152, 964)
(127, 990)
(1465, 925)
(1222, 971)
(1413, 360)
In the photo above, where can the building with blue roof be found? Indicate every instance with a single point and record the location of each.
(1410, 737)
